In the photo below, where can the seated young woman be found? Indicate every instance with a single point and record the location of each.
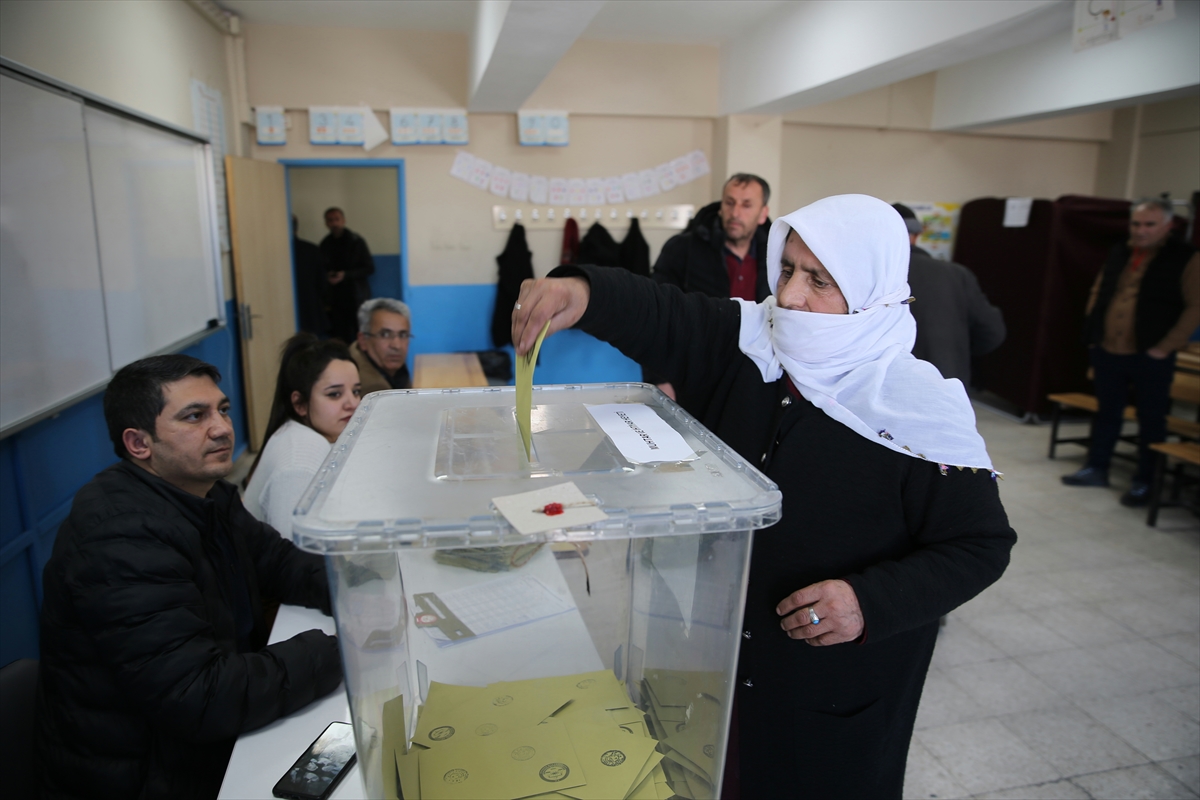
(315, 396)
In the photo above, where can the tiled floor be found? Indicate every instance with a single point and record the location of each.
(1077, 675)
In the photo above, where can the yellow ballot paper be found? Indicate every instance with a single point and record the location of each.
(491, 713)
(612, 760)
(525, 367)
(532, 761)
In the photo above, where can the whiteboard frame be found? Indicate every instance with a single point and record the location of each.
(20, 72)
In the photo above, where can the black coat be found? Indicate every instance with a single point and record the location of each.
(955, 321)
(516, 266)
(635, 251)
(143, 687)
(823, 721)
(695, 259)
(308, 268)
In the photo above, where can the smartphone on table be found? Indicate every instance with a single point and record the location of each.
(317, 772)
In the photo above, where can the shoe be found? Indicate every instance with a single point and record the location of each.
(1088, 476)
(1138, 495)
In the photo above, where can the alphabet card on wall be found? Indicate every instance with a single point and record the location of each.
(454, 127)
(323, 124)
(351, 126)
(404, 127)
(270, 125)
(429, 127)
(543, 128)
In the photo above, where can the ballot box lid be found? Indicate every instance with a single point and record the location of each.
(419, 469)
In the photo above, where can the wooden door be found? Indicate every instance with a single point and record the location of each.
(259, 231)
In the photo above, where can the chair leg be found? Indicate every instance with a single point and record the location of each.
(1160, 469)
(1054, 419)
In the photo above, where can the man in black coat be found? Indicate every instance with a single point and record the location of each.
(308, 270)
(350, 266)
(154, 651)
(723, 252)
(1144, 306)
(955, 321)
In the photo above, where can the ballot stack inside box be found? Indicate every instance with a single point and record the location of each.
(559, 625)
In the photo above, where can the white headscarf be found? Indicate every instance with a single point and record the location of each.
(858, 368)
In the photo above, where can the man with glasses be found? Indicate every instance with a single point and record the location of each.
(381, 351)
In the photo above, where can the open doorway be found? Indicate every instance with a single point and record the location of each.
(370, 193)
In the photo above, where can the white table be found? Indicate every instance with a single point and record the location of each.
(262, 757)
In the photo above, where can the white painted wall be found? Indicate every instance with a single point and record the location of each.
(366, 196)
(1045, 78)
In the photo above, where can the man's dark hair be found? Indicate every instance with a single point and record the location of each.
(742, 178)
(331, 209)
(134, 397)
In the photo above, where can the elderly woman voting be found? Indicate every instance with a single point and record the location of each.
(891, 512)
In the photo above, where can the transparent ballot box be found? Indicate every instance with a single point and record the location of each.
(593, 660)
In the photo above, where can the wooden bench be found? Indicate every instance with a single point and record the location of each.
(1185, 387)
(1183, 452)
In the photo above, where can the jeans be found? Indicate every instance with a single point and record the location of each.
(1151, 381)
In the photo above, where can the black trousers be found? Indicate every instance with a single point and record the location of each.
(1151, 381)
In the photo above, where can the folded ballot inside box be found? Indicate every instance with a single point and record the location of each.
(478, 664)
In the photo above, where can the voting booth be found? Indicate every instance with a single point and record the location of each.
(562, 624)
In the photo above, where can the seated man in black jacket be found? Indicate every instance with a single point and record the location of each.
(154, 653)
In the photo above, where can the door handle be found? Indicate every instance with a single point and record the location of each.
(247, 320)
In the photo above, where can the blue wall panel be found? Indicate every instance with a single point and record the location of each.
(41, 469)
(576, 357)
(451, 318)
(387, 281)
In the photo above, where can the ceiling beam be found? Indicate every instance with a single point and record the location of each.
(1046, 78)
(516, 43)
(823, 50)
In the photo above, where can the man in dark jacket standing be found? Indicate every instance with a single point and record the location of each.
(1144, 305)
(955, 321)
(350, 265)
(154, 649)
(723, 252)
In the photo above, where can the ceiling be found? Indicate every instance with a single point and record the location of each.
(666, 21)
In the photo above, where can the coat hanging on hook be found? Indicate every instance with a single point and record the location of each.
(516, 264)
(599, 248)
(635, 251)
(570, 245)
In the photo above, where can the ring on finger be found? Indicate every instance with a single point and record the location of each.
(812, 616)
(517, 306)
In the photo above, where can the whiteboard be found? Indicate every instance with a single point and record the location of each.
(53, 341)
(154, 232)
(108, 249)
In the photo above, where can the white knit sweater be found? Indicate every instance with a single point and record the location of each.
(292, 457)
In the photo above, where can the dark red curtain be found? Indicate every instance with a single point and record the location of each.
(1039, 275)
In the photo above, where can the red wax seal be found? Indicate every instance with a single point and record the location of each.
(553, 509)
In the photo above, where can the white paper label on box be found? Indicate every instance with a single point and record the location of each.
(640, 433)
(527, 511)
(1016, 211)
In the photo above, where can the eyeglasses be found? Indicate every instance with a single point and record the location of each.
(388, 335)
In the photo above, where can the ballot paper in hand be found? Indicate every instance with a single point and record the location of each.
(525, 367)
(641, 435)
